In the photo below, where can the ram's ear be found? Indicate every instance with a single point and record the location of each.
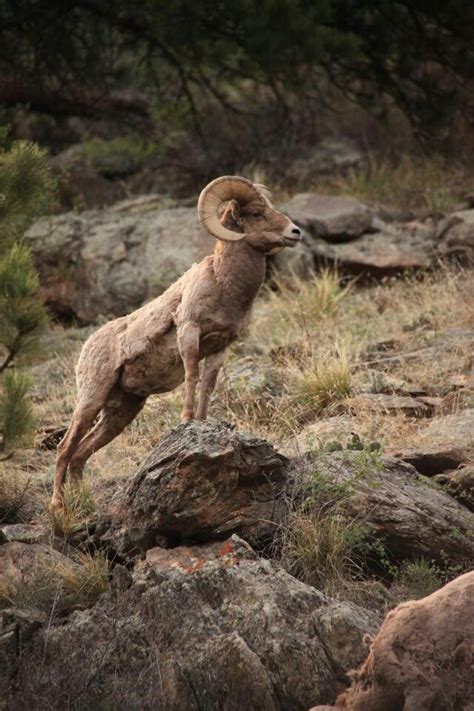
(230, 218)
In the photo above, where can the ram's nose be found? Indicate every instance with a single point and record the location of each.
(292, 235)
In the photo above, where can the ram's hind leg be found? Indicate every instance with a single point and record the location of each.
(82, 420)
(95, 381)
(112, 422)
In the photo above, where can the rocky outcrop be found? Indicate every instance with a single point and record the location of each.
(27, 573)
(336, 218)
(204, 629)
(459, 483)
(381, 402)
(456, 237)
(109, 262)
(395, 249)
(202, 481)
(446, 443)
(413, 516)
(421, 658)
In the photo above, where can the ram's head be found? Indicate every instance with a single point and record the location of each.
(233, 209)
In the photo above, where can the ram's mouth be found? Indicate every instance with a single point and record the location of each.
(291, 241)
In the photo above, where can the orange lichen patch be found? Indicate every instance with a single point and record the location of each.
(227, 548)
(191, 559)
(193, 566)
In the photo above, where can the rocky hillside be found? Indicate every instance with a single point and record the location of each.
(107, 262)
(241, 563)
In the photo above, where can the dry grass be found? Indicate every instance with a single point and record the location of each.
(416, 579)
(293, 341)
(79, 510)
(15, 487)
(317, 547)
(82, 584)
(57, 585)
(321, 384)
(420, 184)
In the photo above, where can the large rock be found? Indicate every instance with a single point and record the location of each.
(459, 483)
(456, 237)
(334, 217)
(421, 658)
(202, 481)
(397, 248)
(228, 631)
(110, 261)
(446, 443)
(27, 573)
(413, 516)
(17, 627)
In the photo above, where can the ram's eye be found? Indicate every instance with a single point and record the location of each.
(257, 215)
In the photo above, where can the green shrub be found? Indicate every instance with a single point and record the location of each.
(26, 191)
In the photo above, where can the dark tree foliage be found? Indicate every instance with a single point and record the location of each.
(26, 190)
(79, 56)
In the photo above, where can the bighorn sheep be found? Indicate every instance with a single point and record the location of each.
(156, 347)
(422, 657)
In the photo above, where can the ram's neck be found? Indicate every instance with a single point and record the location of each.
(240, 270)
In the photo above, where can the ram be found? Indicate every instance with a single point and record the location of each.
(155, 348)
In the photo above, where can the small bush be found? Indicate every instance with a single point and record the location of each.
(15, 492)
(319, 542)
(417, 579)
(16, 415)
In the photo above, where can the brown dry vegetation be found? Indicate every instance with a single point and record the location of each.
(312, 346)
(415, 184)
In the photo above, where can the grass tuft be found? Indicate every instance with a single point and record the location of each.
(82, 584)
(57, 585)
(417, 579)
(429, 183)
(15, 489)
(79, 510)
(323, 383)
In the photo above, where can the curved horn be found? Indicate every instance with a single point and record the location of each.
(264, 190)
(228, 187)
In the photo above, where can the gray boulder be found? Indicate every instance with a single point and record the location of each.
(413, 516)
(229, 631)
(110, 261)
(456, 237)
(396, 249)
(446, 443)
(336, 218)
(203, 481)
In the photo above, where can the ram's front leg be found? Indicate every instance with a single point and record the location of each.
(212, 365)
(188, 344)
